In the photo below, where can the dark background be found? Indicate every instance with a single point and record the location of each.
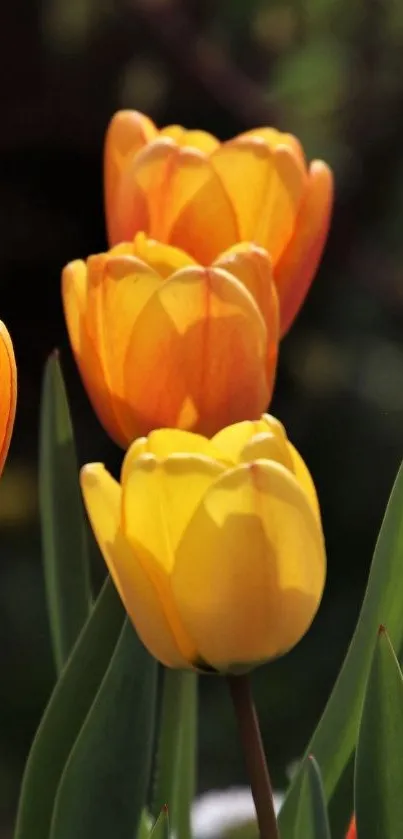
(332, 73)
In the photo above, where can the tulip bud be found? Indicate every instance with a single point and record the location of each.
(187, 189)
(162, 341)
(215, 545)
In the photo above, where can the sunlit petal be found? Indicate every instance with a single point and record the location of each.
(102, 495)
(250, 568)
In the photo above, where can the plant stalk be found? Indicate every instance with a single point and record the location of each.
(251, 739)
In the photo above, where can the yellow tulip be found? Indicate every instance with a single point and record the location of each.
(215, 546)
(187, 189)
(8, 392)
(161, 341)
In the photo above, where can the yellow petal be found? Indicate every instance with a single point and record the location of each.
(200, 140)
(86, 348)
(8, 392)
(251, 265)
(159, 498)
(250, 568)
(296, 268)
(275, 138)
(166, 441)
(230, 441)
(269, 447)
(128, 132)
(164, 259)
(304, 478)
(102, 495)
(265, 187)
(196, 355)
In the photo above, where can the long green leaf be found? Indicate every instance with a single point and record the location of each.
(176, 752)
(335, 738)
(379, 767)
(65, 714)
(161, 827)
(146, 825)
(104, 784)
(312, 819)
(65, 552)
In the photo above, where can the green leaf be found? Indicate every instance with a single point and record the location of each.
(63, 524)
(379, 769)
(312, 819)
(176, 752)
(65, 714)
(104, 784)
(161, 827)
(335, 738)
(146, 825)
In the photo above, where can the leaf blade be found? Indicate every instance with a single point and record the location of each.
(382, 602)
(103, 787)
(312, 818)
(378, 771)
(176, 751)
(69, 705)
(63, 525)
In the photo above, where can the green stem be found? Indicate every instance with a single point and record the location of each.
(176, 754)
(251, 739)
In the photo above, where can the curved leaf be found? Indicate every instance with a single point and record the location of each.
(379, 768)
(104, 784)
(335, 738)
(63, 525)
(312, 819)
(65, 713)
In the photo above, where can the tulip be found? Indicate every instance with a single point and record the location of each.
(352, 830)
(187, 189)
(215, 545)
(161, 341)
(8, 392)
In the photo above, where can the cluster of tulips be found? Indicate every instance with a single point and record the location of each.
(213, 535)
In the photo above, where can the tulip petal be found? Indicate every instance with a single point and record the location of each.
(243, 604)
(304, 478)
(231, 440)
(159, 499)
(275, 138)
(86, 349)
(252, 267)
(8, 392)
(200, 140)
(174, 195)
(118, 290)
(164, 259)
(128, 132)
(296, 268)
(197, 350)
(265, 187)
(166, 441)
(102, 495)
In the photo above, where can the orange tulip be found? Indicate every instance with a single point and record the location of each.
(8, 392)
(161, 341)
(187, 189)
(352, 831)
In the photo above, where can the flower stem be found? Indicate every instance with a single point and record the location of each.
(251, 739)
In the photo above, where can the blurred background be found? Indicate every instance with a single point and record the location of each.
(332, 73)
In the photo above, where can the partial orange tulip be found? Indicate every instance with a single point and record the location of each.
(162, 341)
(8, 392)
(352, 830)
(187, 189)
